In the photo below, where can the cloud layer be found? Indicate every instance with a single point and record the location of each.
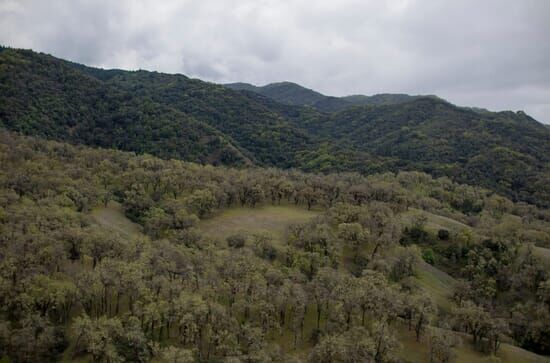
(493, 53)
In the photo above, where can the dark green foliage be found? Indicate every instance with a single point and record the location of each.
(443, 234)
(262, 135)
(289, 93)
(173, 116)
(46, 97)
(284, 92)
(415, 235)
(380, 99)
(428, 256)
(507, 152)
(139, 111)
(236, 240)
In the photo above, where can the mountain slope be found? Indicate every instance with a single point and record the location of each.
(166, 115)
(285, 92)
(47, 97)
(505, 151)
(293, 94)
(381, 99)
(173, 116)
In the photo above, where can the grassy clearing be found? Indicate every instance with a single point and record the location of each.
(274, 219)
(541, 252)
(418, 352)
(434, 222)
(544, 254)
(68, 354)
(438, 284)
(112, 217)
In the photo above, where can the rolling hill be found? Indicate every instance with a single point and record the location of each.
(173, 116)
(140, 111)
(293, 94)
(127, 257)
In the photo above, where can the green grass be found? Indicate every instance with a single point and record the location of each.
(112, 217)
(438, 284)
(434, 222)
(544, 254)
(68, 354)
(418, 352)
(274, 219)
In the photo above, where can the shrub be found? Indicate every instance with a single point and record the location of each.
(428, 256)
(236, 241)
(443, 234)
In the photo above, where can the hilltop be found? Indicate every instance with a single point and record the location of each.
(290, 93)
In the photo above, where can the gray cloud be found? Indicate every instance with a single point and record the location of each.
(492, 53)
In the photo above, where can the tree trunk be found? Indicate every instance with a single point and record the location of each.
(318, 315)
(376, 246)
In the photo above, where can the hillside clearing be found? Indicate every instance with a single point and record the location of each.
(418, 352)
(543, 253)
(274, 219)
(113, 218)
(434, 222)
(438, 284)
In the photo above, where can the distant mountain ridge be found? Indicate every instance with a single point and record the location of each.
(293, 94)
(174, 116)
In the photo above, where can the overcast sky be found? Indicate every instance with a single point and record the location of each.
(486, 53)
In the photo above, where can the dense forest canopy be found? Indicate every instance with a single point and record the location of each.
(173, 116)
(355, 283)
(289, 93)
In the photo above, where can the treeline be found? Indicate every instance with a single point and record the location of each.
(336, 289)
(289, 93)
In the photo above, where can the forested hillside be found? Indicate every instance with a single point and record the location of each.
(173, 116)
(507, 152)
(169, 116)
(112, 256)
(289, 93)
